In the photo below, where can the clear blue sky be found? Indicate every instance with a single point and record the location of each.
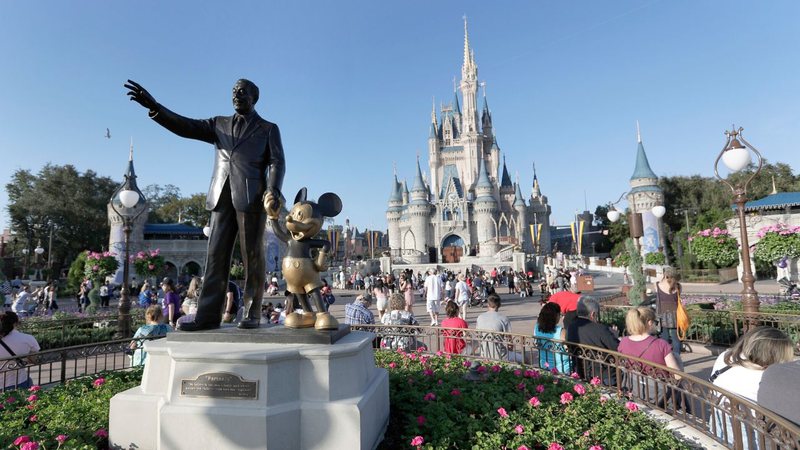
(351, 83)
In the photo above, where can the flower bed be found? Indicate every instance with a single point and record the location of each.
(435, 407)
(73, 415)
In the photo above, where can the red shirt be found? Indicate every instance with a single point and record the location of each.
(453, 344)
(566, 300)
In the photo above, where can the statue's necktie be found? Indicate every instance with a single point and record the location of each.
(238, 127)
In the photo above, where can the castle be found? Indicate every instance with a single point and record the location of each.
(470, 207)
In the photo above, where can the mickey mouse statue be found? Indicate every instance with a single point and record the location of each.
(300, 270)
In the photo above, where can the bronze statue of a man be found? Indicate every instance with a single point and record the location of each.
(248, 170)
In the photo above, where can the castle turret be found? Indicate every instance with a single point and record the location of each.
(418, 214)
(394, 212)
(486, 117)
(485, 209)
(522, 221)
(506, 186)
(469, 88)
(645, 192)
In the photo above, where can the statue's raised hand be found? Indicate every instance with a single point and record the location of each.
(140, 95)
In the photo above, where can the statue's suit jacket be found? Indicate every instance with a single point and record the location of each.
(242, 161)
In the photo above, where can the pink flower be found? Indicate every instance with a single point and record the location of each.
(596, 447)
(521, 386)
(439, 381)
(632, 407)
(439, 353)
(517, 372)
(566, 398)
(36, 388)
(21, 440)
(33, 418)
(417, 441)
(595, 381)
(575, 376)
(420, 420)
(496, 368)
(61, 438)
(30, 446)
(455, 392)
(555, 446)
(99, 382)
(392, 365)
(101, 433)
(383, 344)
(540, 388)
(427, 372)
(481, 369)
(32, 398)
(151, 266)
(429, 396)
(554, 371)
(95, 268)
(502, 412)
(579, 389)
(467, 364)
(534, 402)
(604, 398)
(522, 447)
(421, 349)
(519, 429)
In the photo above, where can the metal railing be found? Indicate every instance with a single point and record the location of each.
(728, 419)
(67, 332)
(63, 364)
(717, 327)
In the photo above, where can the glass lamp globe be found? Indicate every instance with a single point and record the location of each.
(613, 215)
(659, 211)
(128, 198)
(736, 157)
(38, 250)
(207, 231)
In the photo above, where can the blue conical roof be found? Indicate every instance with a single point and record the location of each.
(506, 179)
(397, 195)
(433, 134)
(642, 169)
(483, 176)
(494, 142)
(485, 105)
(456, 106)
(518, 194)
(419, 183)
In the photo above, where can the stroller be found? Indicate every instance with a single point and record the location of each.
(789, 288)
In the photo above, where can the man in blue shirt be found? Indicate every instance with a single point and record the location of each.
(358, 313)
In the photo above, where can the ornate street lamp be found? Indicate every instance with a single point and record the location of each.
(735, 156)
(39, 251)
(634, 219)
(129, 203)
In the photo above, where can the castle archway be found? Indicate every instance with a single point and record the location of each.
(452, 248)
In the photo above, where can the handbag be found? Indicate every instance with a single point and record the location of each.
(12, 354)
(682, 319)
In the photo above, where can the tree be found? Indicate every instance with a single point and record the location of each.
(168, 206)
(636, 292)
(60, 198)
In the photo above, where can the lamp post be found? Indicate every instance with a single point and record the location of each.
(25, 252)
(129, 203)
(735, 156)
(39, 251)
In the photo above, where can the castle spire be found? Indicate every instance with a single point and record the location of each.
(642, 169)
(506, 179)
(467, 55)
(536, 191)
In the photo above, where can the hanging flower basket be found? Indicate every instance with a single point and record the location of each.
(776, 242)
(148, 264)
(715, 246)
(100, 265)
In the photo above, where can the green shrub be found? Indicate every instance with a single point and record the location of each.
(655, 258)
(77, 410)
(636, 292)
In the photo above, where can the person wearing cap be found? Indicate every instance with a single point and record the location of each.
(172, 301)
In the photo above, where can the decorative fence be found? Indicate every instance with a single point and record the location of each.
(63, 364)
(717, 327)
(59, 332)
(724, 417)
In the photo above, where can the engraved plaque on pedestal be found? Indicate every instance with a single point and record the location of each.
(220, 385)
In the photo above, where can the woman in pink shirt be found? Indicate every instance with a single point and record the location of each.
(453, 344)
(641, 343)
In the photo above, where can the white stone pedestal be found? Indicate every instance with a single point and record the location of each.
(287, 396)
